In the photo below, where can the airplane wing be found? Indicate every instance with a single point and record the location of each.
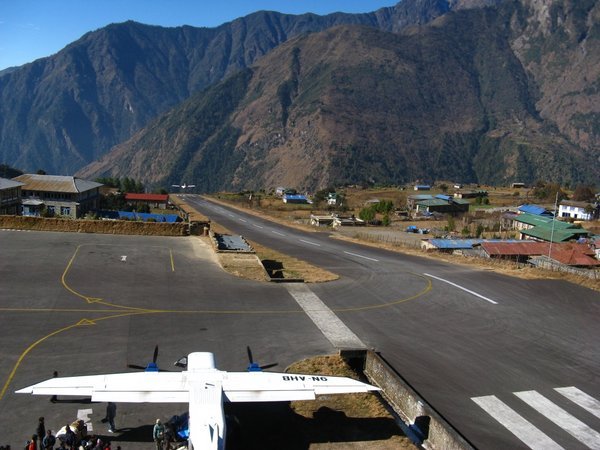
(134, 387)
(272, 386)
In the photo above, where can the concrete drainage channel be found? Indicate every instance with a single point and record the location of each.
(420, 421)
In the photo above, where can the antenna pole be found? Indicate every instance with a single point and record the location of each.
(552, 232)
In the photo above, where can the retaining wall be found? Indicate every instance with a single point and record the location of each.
(93, 226)
(436, 432)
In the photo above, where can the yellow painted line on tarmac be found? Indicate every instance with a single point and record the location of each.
(82, 322)
(85, 297)
(427, 288)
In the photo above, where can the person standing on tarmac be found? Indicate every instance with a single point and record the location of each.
(158, 434)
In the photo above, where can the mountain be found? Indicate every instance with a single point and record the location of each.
(62, 112)
(456, 99)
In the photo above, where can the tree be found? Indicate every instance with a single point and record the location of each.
(451, 223)
(583, 194)
(367, 214)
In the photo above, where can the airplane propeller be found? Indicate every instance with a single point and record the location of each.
(255, 367)
(151, 367)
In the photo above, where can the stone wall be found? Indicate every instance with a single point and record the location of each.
(93, 226)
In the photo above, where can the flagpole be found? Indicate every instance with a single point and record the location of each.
(552, 232)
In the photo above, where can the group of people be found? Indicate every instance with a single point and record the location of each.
(73, 436)
(165, 436)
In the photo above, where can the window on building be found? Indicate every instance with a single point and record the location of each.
(65, 210)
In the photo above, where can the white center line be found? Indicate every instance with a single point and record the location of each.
(361, 256)
(311, 243)
(463, 288)
(243, 220)
(257, 226)
(277, 232)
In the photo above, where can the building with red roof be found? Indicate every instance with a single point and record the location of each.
(160, 201)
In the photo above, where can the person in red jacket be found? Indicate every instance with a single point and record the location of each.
(32, 443)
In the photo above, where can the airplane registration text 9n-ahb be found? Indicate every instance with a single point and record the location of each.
(204, 387)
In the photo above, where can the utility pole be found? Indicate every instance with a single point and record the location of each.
(552, 232)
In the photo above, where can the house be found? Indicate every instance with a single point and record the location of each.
(58, 195)
(442, 204)
(158, 201)
(535, 210)
(10, 197)
(571, 253)
(332, 199)
(470, 194)
(543, 228)
(422, 187)
(295, 198)
(517, 185)
(578, 210)
(449, 245)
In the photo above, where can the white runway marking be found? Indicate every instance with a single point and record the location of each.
(82, 414)
(463, 288)
(277, 232)
(330, 325)
(124, 258)
(311, 243)
(257, 226)
(361, 256)
(243, 220)
(587, 402)
(517, 425)
(563, 419)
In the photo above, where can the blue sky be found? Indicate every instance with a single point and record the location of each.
(31, 29)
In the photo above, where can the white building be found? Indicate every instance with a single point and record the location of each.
(576, 210)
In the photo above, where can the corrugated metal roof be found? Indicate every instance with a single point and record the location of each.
(536, 220)
(5, 183)
(147, 197)
(556, 235)
(455, 243)
(55, 183)
(533, 209)
(420, 197)
(528, 248)
(572, 254)
(432, 202)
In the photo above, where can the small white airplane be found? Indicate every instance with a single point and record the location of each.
(183, 185)
(204, 387)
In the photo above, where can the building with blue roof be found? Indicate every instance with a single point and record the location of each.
(535, 210)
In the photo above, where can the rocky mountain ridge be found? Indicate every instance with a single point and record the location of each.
(535, 93)
(357, 105)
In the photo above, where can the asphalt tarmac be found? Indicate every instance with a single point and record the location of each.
(85, 304)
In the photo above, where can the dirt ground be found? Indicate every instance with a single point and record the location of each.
(331, 422)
